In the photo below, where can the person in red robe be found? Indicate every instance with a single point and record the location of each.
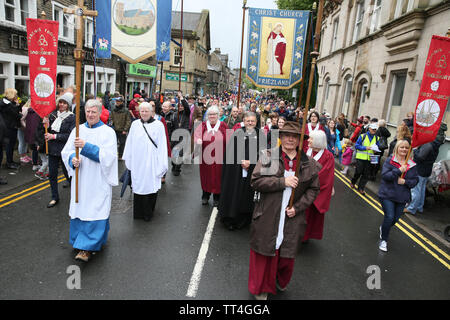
(211, 136)
(315, 214)
(312, 125)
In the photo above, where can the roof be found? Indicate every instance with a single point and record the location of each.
(190, 20)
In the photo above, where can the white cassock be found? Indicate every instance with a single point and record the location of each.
(98, 173)
(147, 163)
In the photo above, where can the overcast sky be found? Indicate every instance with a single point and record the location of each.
(225, 17)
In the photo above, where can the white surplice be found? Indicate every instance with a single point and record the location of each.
(96, 179)
(147, 163)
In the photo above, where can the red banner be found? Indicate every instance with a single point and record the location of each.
(42, 37)
(434, 92)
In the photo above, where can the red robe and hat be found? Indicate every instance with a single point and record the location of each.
(315, 214)
(214, 143)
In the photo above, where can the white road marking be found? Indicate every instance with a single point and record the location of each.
(197, 273)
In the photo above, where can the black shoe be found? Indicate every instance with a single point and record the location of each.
(205, 201)
(52, 203)
(12, 165)
(176, 173)
(216, 203)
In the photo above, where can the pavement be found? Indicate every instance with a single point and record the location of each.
(436, 215)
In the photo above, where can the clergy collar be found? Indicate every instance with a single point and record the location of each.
(148, 121)
(98, 124)
(303, 158)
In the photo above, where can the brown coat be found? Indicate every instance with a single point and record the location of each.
(266, 216)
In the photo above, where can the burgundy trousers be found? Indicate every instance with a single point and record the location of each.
(264, 271)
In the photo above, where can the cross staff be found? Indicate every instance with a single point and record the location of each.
(314, 56)
(80, 12)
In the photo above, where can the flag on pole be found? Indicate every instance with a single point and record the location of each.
(164, 30)
(276, 44)
(42, 38)
(434, 92)
(103, 26)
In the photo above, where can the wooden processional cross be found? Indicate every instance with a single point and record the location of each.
(80, 12)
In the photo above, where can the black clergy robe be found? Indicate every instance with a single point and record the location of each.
(236, 198)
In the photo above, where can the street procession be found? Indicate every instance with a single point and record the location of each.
(205, 152)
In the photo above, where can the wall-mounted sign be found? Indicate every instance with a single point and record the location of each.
(142, 70)
(175, 76)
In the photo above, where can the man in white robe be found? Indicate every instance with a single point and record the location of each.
(146, 157)
(98, 173)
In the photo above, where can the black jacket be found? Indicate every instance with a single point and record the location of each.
(425, 156)
(55, 146)
(10, 113)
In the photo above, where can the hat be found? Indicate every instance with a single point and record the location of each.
(137, 95)
(67, 97)
(361, 119)
(292, 127)
(373, 126)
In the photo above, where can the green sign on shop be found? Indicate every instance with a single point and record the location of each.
(175, 76)
(142, 70)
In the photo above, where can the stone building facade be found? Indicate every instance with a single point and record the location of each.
(196, 47)
(218, 79)
(372, 56)
(111, 74)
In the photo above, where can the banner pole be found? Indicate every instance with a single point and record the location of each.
(314, 56)
(242, 51)
(181, 61)
(44, 17)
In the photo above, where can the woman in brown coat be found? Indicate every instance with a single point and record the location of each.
(277, 230)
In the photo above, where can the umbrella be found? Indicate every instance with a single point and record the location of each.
(126, 181)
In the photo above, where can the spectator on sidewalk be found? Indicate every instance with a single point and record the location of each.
(398, 176)
(364, 150)
(121, 122)
(424, 157)
(358, 126)
(9, 109)
(403, 133)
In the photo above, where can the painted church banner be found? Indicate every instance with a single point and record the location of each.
(276, 44)
(42, 37)
(434, 92)
(134, 28)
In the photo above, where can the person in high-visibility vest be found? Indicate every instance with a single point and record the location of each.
(364, 151)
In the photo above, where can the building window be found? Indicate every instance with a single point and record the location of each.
(89, 33)
(398, 8)
(177, 56)
(21, 79)
(335, 34)
(10, 10)
(3, 78)
(375, 23)
(347, 95)
(359, 20)
(24, 12)
(410, 5)
(65, 30)
(327, 89)
(395, 105)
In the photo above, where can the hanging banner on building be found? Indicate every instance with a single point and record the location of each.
(42, 38)
(103, 29)
(434, 92)
(164, 30)
(134, 28)
(276, 44)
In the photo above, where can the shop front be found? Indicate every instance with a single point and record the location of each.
(140, 78)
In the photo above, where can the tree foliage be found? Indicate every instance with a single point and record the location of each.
(295, 4)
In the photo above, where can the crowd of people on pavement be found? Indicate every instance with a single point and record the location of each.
(248, 155)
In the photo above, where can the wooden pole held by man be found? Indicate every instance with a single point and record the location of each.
(80, 13)
(314, 56)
